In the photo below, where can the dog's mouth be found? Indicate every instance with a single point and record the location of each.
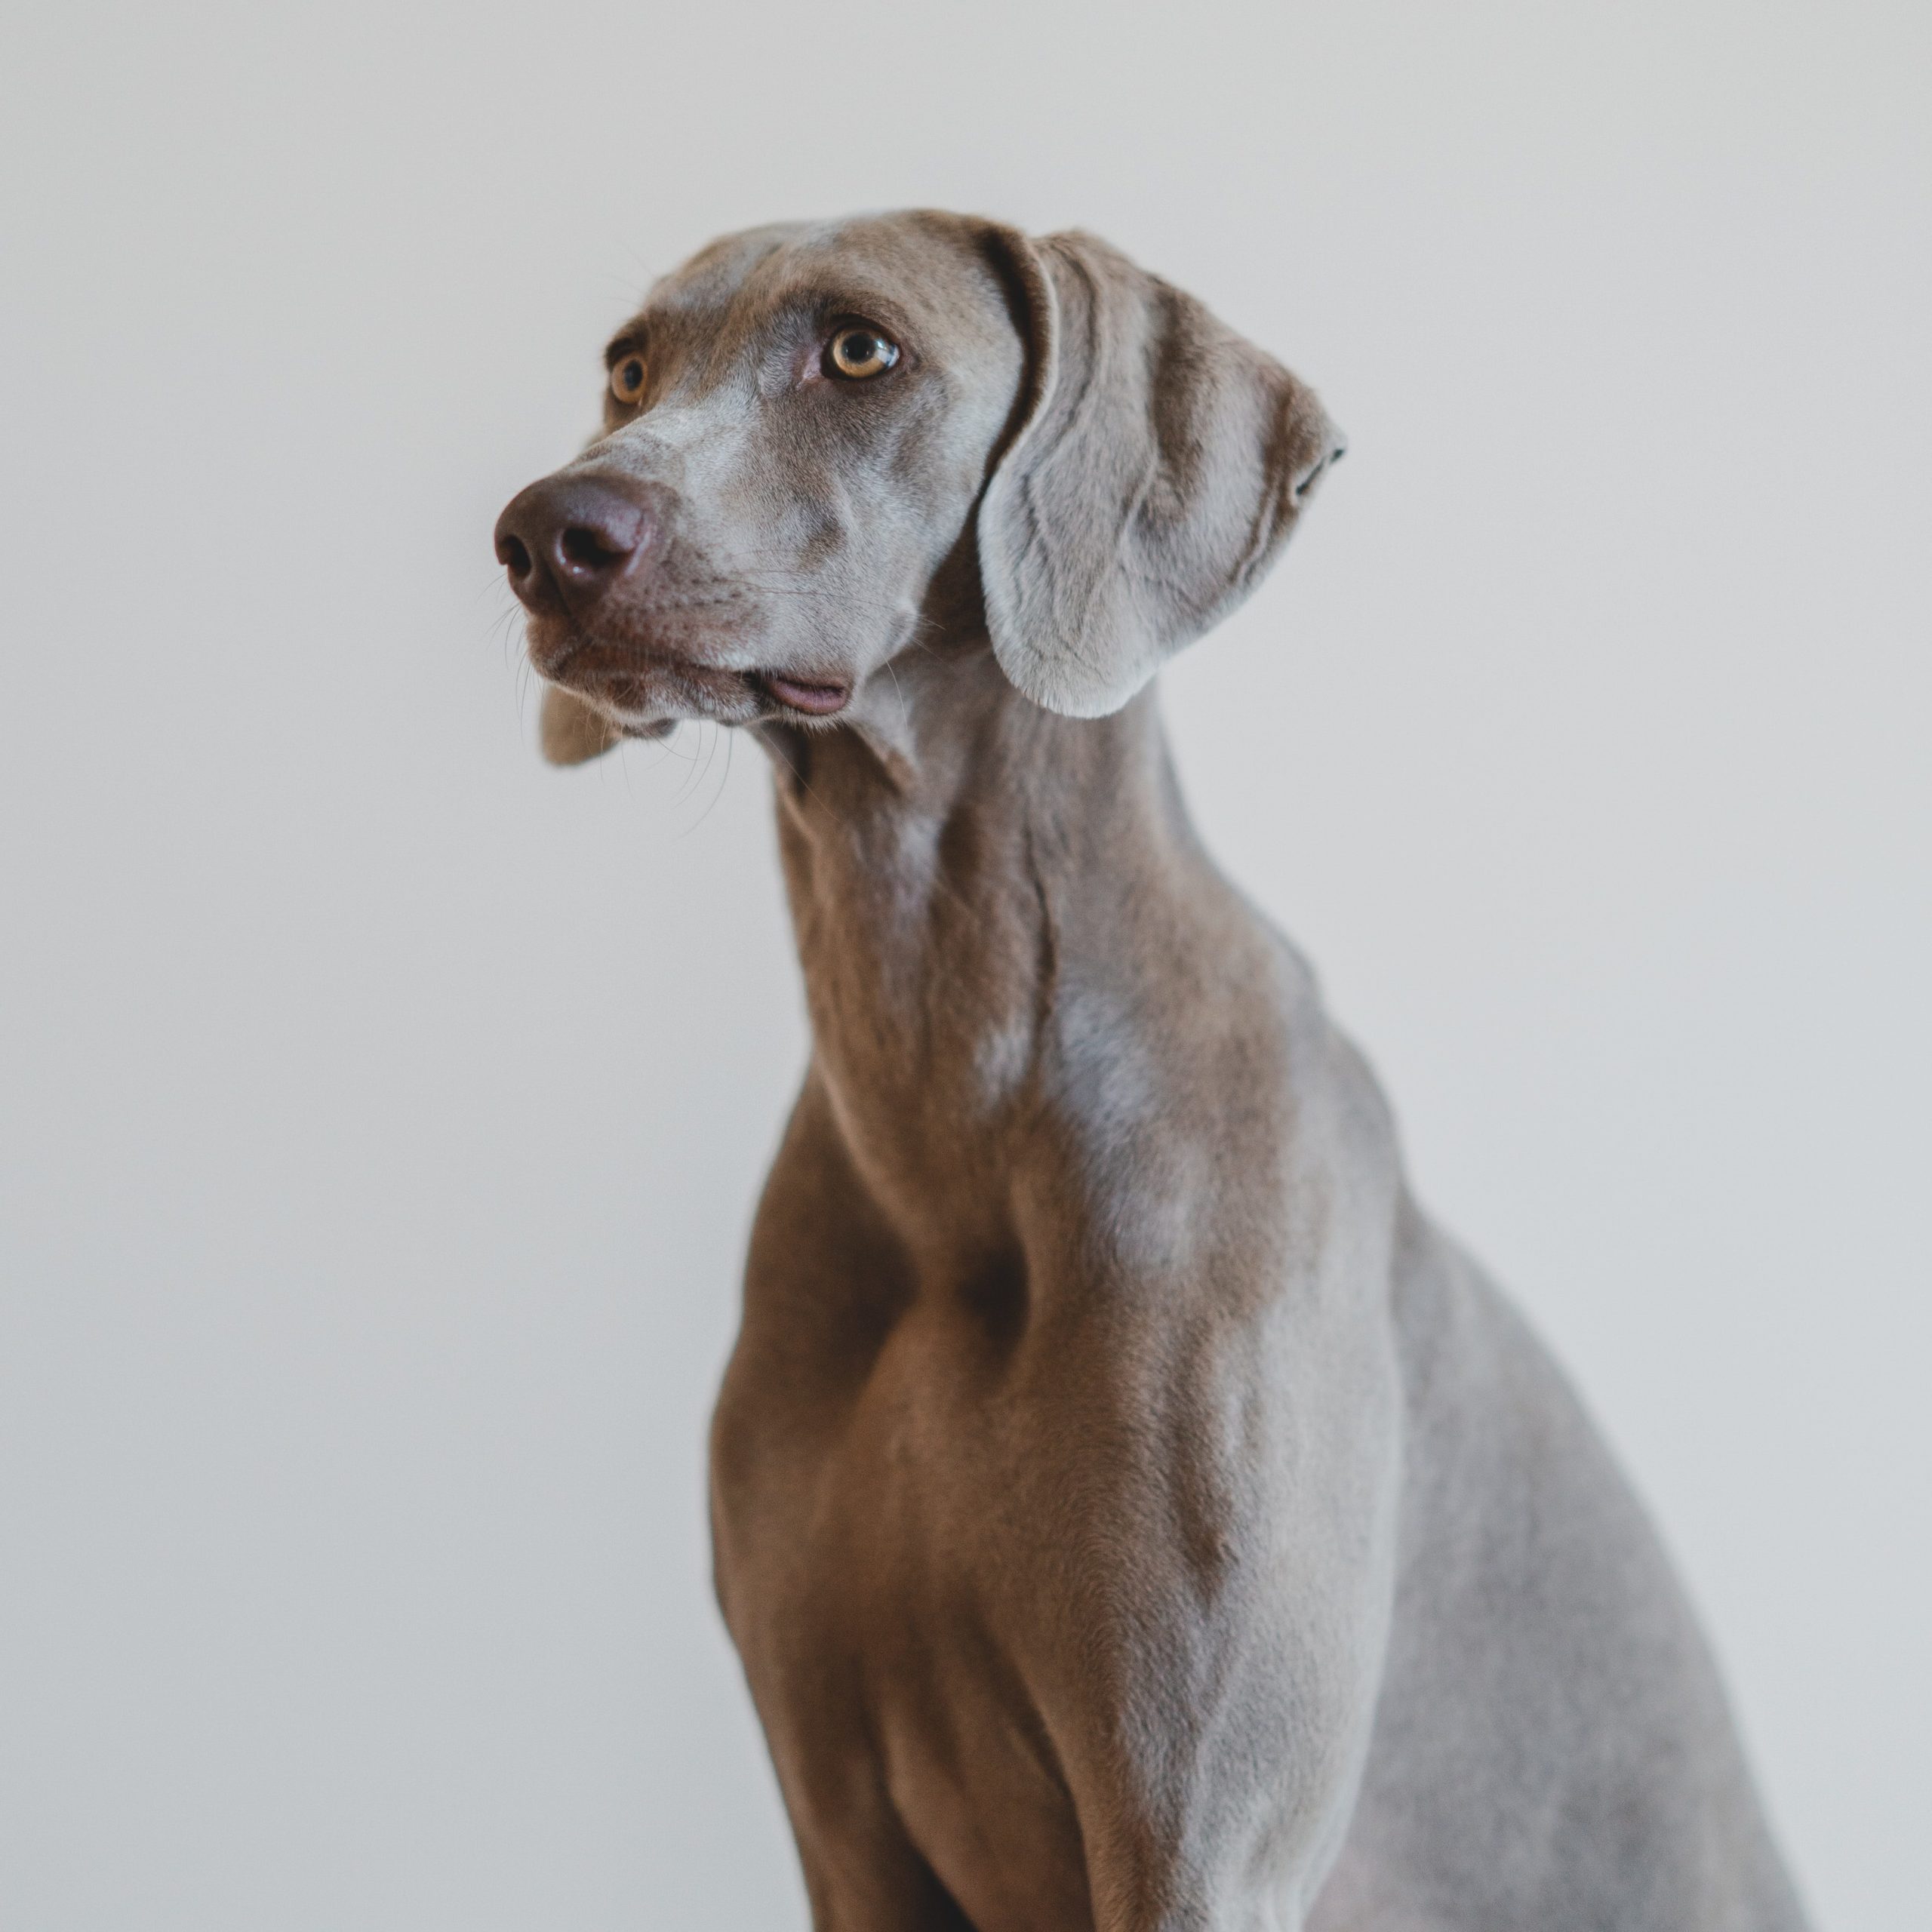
(644, 691)
(815, 700)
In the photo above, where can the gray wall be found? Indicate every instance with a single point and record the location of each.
(380, 1112)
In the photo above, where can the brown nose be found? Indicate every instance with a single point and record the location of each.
(566, 540)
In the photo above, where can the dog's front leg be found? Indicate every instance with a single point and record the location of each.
(863, 1873)
(1217, 1722)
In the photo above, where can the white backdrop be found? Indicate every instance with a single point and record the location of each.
(380, 1112)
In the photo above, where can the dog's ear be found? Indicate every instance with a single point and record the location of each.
(569, 731)
(1159, 463)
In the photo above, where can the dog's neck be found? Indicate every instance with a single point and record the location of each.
(978, 888)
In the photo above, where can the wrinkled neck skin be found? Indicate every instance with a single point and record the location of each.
(979, 889)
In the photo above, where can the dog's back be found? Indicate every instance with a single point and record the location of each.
(1552, 1745)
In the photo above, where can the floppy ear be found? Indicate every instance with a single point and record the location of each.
(1159, 464)
(569, 731)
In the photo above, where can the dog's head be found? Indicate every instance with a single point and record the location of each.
(815, 434)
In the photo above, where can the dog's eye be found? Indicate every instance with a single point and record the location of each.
(627, 380)
(860, 351)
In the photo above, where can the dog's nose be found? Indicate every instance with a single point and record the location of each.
(566, 540)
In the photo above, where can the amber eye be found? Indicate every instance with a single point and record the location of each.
(860, 351)
(627, 379)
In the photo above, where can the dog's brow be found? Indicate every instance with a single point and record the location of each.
(628, 339)
(831, 299)
(753, 314)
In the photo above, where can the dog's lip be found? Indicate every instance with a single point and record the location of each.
(611, 669)
(815, 699)
(596, 667)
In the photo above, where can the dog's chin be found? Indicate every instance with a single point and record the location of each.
(646, 728)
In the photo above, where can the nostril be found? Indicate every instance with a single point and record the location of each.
(512, 553)
(590, 549)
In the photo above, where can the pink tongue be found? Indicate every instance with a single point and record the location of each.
(818, 700)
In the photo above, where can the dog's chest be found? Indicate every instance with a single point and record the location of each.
(923, 1572)
(972, 1774)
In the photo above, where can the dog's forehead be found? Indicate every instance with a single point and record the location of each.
(916, 262)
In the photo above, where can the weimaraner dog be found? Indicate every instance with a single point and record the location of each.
(1132, 1512)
